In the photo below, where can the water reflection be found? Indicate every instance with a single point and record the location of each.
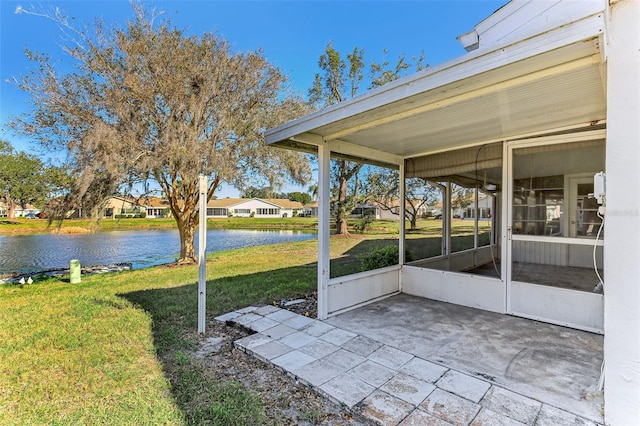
(30, 253)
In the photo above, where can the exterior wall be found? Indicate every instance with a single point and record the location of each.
(116, 206)
(253, 206)
(622, 218)
(462, 289)
(352, 291)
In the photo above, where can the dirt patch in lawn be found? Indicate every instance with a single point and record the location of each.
(287, 401)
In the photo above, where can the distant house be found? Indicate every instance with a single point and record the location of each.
(253, 207)
(388, 211)
(156, 207)
(19, 210)
(115, 207)
(485, 208)
(311, 209)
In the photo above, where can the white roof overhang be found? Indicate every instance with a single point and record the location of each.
(546, 83)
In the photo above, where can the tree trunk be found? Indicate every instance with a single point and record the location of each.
(11, 210)
(341, 211)
(187, 229)
(414, 219)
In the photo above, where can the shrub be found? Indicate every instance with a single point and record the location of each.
(382, 257)
(364, 223)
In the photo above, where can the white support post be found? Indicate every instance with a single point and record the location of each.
(622, 217)
(447, 217)
(476, 210)
(202, 254)
(324, 199)
(402, 212)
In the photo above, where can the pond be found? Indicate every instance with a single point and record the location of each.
(42, 252)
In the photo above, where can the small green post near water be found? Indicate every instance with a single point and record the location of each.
(74, 271)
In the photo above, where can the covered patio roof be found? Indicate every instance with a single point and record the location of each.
(550, 81)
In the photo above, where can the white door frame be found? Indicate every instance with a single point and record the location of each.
(572, 308)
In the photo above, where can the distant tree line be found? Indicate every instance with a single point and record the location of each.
(25, 180)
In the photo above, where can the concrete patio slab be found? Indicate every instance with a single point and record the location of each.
(551, 416)
(372, 373)
(344, 359)
(319, 349)
(281, 315)
(266, 310)
(228, 316)
(298, 339)
(338, 336)
(512, 405)
(420, 418)
(262, 324)
(298, 321)
(252, 341)
(450, 407)
(317, 373)
(384, 408)
(361, 345)
(247, 310)
(247, 319)
(408, 388)
(487, 417)
(463, 385)
(279, 331)
(390, 357)
(318, 328)
(346, 390)
(423, 370)
(270, 350)
(293, 360)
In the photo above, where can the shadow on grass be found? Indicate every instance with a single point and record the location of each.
(206, 394)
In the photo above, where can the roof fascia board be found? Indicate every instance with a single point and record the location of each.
(467, 65)
(349, 149)
(515, 18)
(363, 152)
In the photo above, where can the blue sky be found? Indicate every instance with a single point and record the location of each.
(292, 34)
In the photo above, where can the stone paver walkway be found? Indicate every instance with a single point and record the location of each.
(380, 382)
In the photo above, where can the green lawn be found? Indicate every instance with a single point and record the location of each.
(114, 349)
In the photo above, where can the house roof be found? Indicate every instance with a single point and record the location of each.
(156, 202)
(513, 88)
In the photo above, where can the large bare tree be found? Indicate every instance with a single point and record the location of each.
(146, 101)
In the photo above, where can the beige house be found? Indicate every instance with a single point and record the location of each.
(253, 207)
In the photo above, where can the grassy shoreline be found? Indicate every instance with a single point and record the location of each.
(69, 226)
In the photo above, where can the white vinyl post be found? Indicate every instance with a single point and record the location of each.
(324, 158)
(202, 255)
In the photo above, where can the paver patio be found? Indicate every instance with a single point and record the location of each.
(379, 379)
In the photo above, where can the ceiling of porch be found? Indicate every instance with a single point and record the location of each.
(473, 102)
